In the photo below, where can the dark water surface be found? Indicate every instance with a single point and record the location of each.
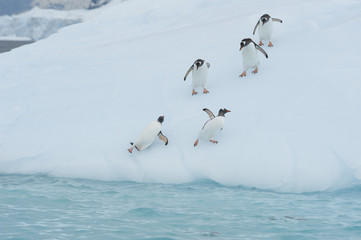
(6, 45)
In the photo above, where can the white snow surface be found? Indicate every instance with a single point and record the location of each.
(70, 104)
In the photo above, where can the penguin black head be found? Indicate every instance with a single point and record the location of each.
(245, 43)
(161, 119)
(223, 111)
(199, 63)
(265, 18)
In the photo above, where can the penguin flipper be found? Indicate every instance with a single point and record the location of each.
(261, 50)
(208, 65)
(209, 112)
(163, 138)
(189, 70)
(276, 20)
(254, 30)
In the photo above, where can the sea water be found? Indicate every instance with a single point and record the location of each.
(6, 46)
(43, 207)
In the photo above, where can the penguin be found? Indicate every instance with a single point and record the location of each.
(250, 56)
(148, 136)
(212, 126)
(265, 30)
(199, 71)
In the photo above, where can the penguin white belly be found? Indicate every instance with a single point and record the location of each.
(148, 135)
(250, 57)
(265, 31)
(199, 77)
(211, 128)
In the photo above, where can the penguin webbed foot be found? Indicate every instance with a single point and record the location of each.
(196, 142)
(260, 43)
(243, 74)
(205, 91)
(255, 71)
(130, 149)
(213, 141)
(194, 92)
(270, 44)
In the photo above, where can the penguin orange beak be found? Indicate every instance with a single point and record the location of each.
(228, 110)
(240, 49)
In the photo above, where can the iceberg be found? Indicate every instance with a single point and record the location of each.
(71, 103)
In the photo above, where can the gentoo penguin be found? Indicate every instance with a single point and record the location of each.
(250, 56)
(148, 135)
(199, 71)
(212, 126)
(265, 30)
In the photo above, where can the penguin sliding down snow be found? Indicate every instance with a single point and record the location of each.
(148, 135)
(212, 126)
(199, 71)
(265, 30)
(250, 56)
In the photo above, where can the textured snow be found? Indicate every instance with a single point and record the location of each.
(70, 104)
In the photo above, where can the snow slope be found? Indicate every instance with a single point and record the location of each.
(70, 104)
